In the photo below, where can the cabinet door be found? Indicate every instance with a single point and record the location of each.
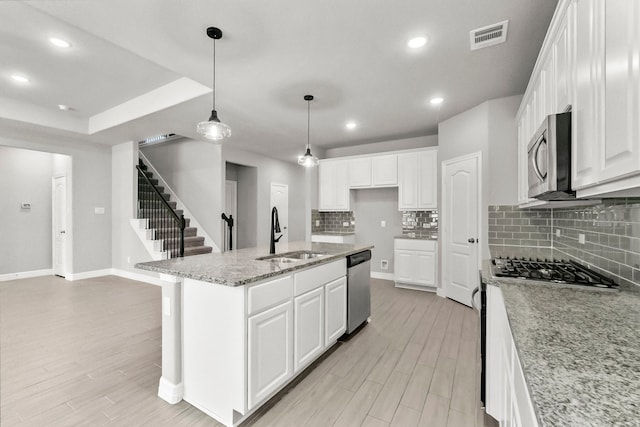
(335, 310)
(561, 51)
(326, 184)
(425, 268)
(308, 326)
(341, 186)
(428, 179)
(384, 170)
(404, 262)
(408, 181)
(270, 351)
(619, 152)
(587, 119)
(360, 172)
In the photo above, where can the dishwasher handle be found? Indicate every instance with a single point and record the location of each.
(358, 258)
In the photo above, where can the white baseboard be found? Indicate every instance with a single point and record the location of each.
(87, 274)
(169, 391)
(441, 293)
(140, 277)
(383, 276)
(431, 289)
(25, 274)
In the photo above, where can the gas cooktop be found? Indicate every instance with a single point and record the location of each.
(556, 271)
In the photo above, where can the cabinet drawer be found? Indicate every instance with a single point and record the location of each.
(415, 244)
(269, 293)
(315, 277)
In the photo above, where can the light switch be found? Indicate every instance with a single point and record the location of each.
(99, 211)
(25, 205)
(581, 238)
(557, 232)
(383, 223)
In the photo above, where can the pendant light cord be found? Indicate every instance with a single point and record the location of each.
(214, 74)
(308, 121)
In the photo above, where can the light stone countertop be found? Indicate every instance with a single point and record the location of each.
(579, 350)
(333, 233)
(414, 236)
(240, 267)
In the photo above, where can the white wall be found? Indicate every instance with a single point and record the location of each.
(25, 176)
(503, 151)
(380, 147)
(90, 187)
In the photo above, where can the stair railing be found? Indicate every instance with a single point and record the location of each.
(157, 210)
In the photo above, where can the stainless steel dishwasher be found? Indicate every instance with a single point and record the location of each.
(358, 289)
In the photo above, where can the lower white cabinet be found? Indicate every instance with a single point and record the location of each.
(309, 327)
(270, 351)
(507, 396)
(336, 310)
(415, 263)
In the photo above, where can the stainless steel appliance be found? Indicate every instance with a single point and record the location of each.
(549, 159)
(555, 271)
(358, 289)
(480, 304)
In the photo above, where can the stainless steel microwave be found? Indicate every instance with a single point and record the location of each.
(549, 159)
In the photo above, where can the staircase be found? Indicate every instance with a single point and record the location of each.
(162, 232)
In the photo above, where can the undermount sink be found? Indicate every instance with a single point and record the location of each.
(292, 256)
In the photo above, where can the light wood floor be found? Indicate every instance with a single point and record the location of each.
(88, 353)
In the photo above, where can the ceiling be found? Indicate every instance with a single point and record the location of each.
(142, 68)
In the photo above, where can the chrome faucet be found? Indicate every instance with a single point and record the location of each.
(275, 228)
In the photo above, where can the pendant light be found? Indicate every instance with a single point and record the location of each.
(214, 129)
(308, 160)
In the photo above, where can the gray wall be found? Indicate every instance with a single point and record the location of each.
(489, 128)
(194, 170)
(89, 184)
(25, 176)
(370, 206)
(379, 147)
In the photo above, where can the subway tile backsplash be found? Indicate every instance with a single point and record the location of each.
(332, 222)
(509, 225)
(611, 232)
(419, 222)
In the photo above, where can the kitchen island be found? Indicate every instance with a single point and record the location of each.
(578, 350)
(239, 326)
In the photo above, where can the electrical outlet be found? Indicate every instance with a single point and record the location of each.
(425, 225)
(128, 260)
(317, 223)
(558, 232)
(383, 223)
(581, 238)
(345, 224)
(384, 264)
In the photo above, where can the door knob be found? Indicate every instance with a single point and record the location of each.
(471, 240)
(62, 232)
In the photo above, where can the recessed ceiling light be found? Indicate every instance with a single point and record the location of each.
(436, 101)
(417, 42)
(59, 42)
(19, 78)
(351, 125)
(64, 107)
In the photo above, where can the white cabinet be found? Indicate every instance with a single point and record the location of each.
(384, 170)
(588, 90)
(309, 327)
(507, 396)
(415, 263)
(418, 180)
(360, 172)
(270, 339)
(335, 310)
(333, 185)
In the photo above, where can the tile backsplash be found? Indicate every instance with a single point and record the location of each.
(332, 222)
(509, 225)
(611, 232)
(420, 222)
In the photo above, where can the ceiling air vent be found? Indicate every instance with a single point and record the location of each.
(489, 35)
(159, 139)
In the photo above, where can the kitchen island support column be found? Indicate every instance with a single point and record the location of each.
(171, 387)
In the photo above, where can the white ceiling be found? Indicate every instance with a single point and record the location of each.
(142, 68)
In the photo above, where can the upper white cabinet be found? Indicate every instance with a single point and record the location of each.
(333, 185)
(360, 172)
(384, 170)
(418, 180)
(589, 60)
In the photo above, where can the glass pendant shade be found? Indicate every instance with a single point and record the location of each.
(214, 129)
(308, 160)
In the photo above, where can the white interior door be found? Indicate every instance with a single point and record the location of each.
(231, 208)
(59, 219)
(460, 224)
(280, 199)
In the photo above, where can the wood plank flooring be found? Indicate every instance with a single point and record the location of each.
(88, 353)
